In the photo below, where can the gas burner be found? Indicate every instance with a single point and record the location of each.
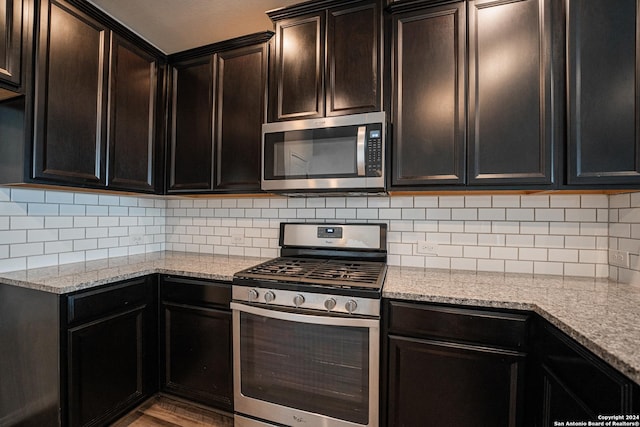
(328, 272)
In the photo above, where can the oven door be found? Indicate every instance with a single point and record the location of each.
(305, 369)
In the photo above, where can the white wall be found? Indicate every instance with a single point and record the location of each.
(541, 234)
(41, 228)
(559, 234)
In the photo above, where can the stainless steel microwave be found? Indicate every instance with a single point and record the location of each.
(343, 154)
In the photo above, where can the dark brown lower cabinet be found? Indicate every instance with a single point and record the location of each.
(451, 366)
(81, 359)
(111, 351)
(572, 384)
(195, 334)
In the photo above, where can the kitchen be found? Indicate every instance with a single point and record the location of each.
(492, 232)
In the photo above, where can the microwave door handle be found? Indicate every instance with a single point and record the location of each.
(362, 130)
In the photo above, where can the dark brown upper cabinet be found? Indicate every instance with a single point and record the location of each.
(482, 114)
(511, 115)
(241, 90)
(71, 96)
(429, 102)
(11, 33)
(133, 109)
(327, 60)
(603, 88)
(191, 142)
(96, 100)
(218, 105)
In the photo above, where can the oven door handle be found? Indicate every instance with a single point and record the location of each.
(320, 319)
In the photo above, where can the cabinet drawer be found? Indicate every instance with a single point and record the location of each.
(196, 292)
(119, 297)
(494, 328)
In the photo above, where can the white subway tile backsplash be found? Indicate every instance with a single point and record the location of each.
(540, 234)
(26, 249)
(438, 214)
(594, 201)
(13, 236)
(525, 267)
(492, 214)
(565, 201)
(619, 201)
(425, 202)
(534, 201)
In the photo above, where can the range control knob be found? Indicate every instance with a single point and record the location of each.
(253, 295)
(330, 304)
(298, 300)
(269, 296)
(350, 306)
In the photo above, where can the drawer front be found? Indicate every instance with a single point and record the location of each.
(195, 291)
(112, 299)
(494, 328)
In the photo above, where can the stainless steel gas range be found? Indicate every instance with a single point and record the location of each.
(306, 329)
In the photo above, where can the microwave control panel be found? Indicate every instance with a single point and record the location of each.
(375, 149)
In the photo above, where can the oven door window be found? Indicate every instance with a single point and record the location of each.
(322, 369)
(317, 153)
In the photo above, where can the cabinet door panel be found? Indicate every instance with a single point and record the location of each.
(241, 106)
(437, 383)
(191, 150)
(10, 40)
(105, 362)
(353, 64)
(604, 147)
(71, 97)
(132, 124)
(197, 354)
(510, 82)
(429, 98)
(299, 67)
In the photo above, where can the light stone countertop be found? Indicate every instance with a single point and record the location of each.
(603, 316)
(68, 278)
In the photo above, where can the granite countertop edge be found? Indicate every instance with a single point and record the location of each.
(434, 286)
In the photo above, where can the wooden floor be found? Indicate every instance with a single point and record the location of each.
(163, 411)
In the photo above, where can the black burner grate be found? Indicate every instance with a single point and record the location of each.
(333, 272)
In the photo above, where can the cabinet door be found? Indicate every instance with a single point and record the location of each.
(197, 354)
(353, 59)
(429, 96)
(604, 147)
(298, 87)
(241, 110)
(71, 96)
(106, 367)
(441, 383)
(10, 41)
(133, 92)
(574, 384)
(511, 122)
(191, 147)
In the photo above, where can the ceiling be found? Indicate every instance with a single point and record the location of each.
(176, 25)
